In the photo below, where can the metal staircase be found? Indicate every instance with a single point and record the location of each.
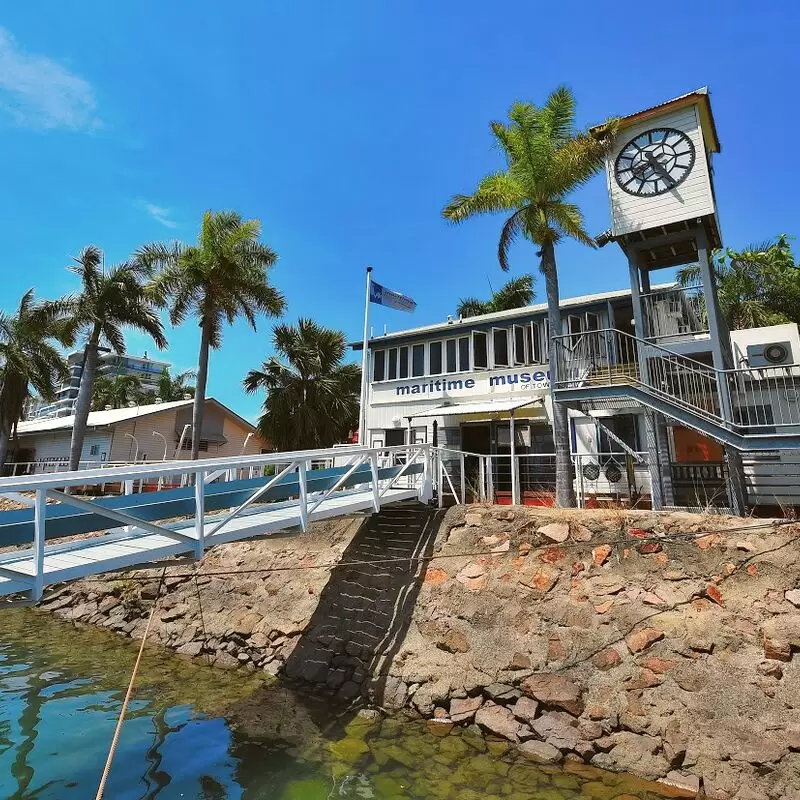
(748, 408)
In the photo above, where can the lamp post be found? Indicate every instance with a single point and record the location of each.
(163, 439)
(136, 442)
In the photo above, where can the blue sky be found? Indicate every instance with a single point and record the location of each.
(345, 128)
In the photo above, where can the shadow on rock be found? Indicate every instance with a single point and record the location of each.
(366, 607)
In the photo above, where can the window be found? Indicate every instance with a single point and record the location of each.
(624, 427)
(94, 449)
(592, 321)
(535, 351)
(451, 355)
(392, 376)
(480, 350)
(435, 357)
(463, 354)
(574, 328)
(187, 445)
(500, 347)
(378, 365)
(404, 361)
(418, 360)
(520, 348)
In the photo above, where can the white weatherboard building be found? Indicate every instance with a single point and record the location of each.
(153, 432)
(666, 405)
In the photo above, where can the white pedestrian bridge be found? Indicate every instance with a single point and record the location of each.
(76, 524)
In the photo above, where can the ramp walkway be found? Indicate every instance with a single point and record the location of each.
(216, 501)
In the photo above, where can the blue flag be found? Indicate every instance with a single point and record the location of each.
(386, 297)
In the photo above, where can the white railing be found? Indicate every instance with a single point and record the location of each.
(748, 400)
(66, 487)
(674, 313)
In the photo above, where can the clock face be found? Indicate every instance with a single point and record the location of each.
(655, 162)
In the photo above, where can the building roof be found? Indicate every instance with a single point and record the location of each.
(498, 316)
(699, 97)
(105, 419)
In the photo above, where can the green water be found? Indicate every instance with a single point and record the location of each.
(196, 732)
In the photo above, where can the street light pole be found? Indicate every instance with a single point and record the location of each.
(136, 442)
(163, 439)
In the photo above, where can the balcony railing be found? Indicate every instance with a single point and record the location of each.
(673, 314)
(747, 400)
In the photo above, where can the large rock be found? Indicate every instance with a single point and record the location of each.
(555, 531)
(525, 709)
(781, 635)
(634, 753)
(558, 729)
(463, 710)
(540, 752)
(642, 639)
(499, 721)
(555, 690)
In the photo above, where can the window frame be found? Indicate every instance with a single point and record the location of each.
(375, 353)
(389, 352)
(440, 343)
(415, 348)
(504, 332)
(468, 340)
(454, 343)
(519, 360)
(475, 365)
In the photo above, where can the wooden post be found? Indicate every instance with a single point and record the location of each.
(301, 474)
(199, 511)
(376, 487)
(39, 528)
(514, 471)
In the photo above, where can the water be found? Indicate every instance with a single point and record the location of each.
(196, 732)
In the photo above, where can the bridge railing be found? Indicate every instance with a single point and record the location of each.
(305, 484)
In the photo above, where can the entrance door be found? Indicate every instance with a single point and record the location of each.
(475, 438)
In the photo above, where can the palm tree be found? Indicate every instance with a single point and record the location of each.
(312, 398)
(116, 391)
(546, 160)
(517, 293)
(109, 301)
(757, 286)
(223, 276)
(29, 358)
(175, 387)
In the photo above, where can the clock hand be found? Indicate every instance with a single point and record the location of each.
(658, 167)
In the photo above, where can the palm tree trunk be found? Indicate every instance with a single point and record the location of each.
(83, 404)
(4, 437)
(565, 492)
(200, 391)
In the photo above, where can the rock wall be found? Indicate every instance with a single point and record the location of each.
(664, 645)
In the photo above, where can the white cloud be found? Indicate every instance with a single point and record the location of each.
(36, 92)
(160, 214)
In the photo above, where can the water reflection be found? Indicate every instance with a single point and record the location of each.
(195, 732)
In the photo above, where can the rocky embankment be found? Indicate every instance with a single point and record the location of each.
(664, 645)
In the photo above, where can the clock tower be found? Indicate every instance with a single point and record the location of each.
(664, 215)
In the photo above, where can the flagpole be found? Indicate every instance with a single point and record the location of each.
(362, 420)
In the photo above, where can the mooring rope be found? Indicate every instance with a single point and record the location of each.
(115, 739)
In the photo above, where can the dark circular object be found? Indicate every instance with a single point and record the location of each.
(654, 162)
(776, 353)
(591, 472)
(613, 473)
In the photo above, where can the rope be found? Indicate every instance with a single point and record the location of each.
(115, 739)
(663, 539)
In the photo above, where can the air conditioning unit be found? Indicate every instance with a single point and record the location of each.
(772, 354)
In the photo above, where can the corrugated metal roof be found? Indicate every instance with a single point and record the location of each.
(702, 94)
(103, 419)
(513, 313)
